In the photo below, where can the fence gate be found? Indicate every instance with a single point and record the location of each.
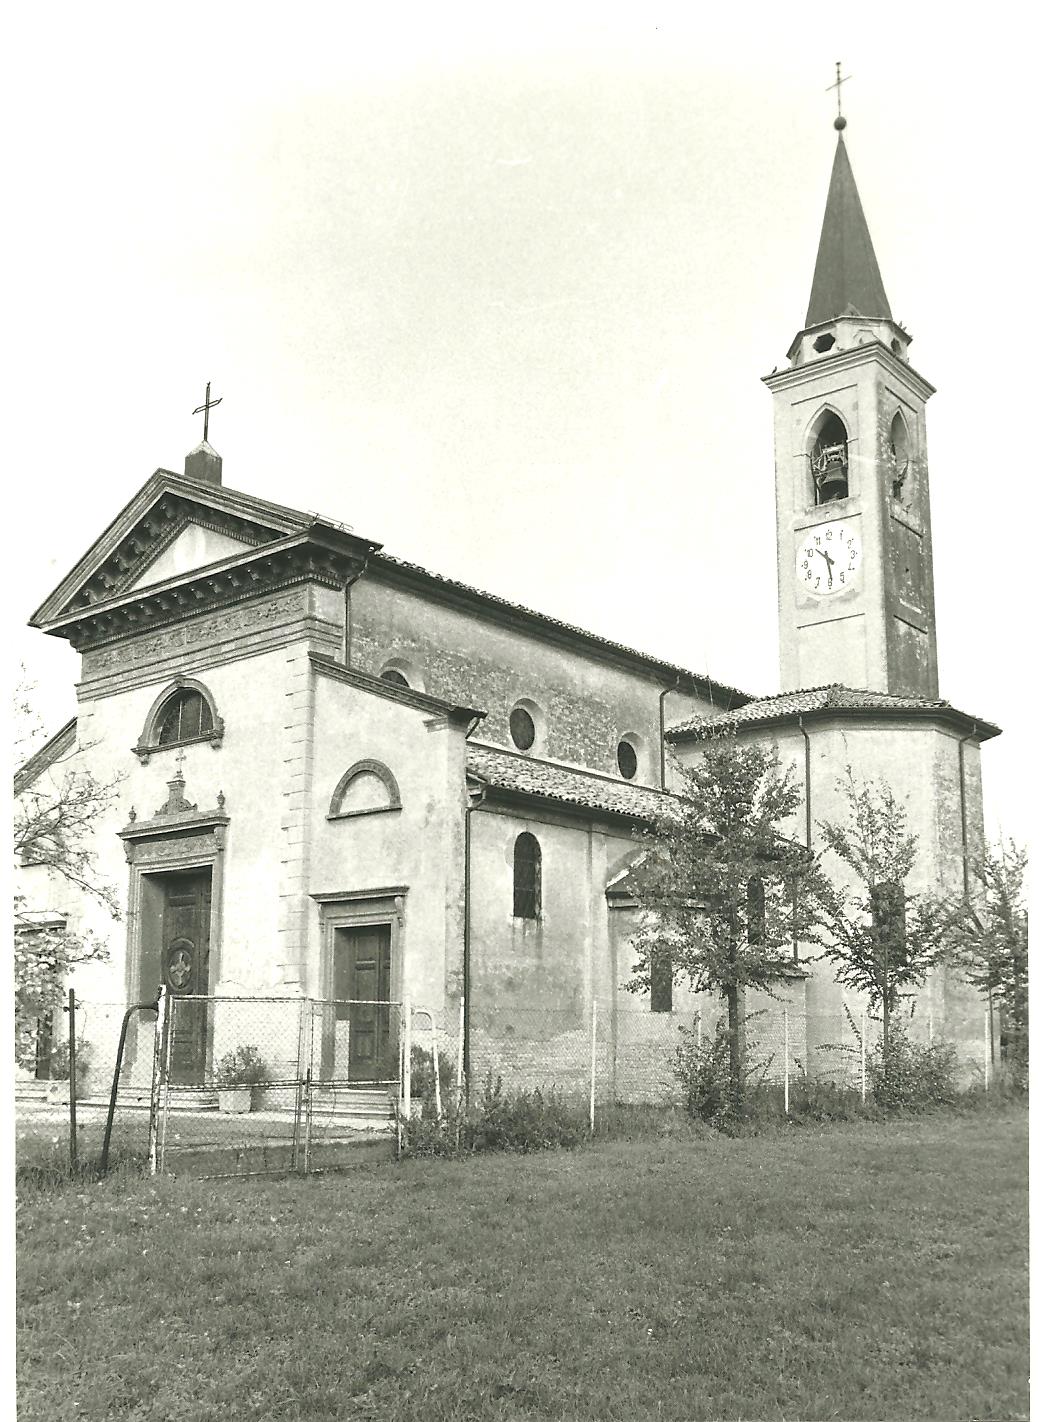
(280, 1084)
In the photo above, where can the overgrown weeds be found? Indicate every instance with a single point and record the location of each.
(497, 1120)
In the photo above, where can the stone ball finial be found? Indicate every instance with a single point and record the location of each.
(840, 123)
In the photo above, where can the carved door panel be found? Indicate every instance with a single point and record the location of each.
(362, 987)
(186, 971)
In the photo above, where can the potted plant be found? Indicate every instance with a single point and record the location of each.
(241, 1077)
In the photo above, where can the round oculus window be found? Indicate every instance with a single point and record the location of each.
(626, 759)
(523, 728)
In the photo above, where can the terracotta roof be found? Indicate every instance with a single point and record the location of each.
(847, 278)
(520, 775)
(825, 700)
(729, 693)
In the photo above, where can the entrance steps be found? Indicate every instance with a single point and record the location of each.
(366, 1102)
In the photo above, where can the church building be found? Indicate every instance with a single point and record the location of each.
(345, 777)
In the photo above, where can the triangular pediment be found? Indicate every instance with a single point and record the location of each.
(192, 550)
(172, 527)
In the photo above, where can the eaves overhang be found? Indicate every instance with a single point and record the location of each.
(972, 726)
(516, 617)
(844, 360)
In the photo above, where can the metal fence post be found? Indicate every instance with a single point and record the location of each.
(435, 1064)
(785, 1079)
(460, 1062)
(863, 1046)
(988, 1027)
(407, 1058)
(157, 1064)
(593, 1058)
(72, 1079)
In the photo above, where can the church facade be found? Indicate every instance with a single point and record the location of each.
(342, 776)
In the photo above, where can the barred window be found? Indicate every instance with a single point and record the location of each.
(528, 864)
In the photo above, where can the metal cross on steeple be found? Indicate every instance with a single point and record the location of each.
(209, 404)
(840, 121)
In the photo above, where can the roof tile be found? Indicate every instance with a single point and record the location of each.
(833, 697)
(562, 784)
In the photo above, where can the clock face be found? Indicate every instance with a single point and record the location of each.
(828, 558)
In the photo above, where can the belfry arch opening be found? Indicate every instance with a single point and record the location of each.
(829, 458)
(899, 453)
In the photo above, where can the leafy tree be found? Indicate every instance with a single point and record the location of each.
(989, 934)
(882, 939)
(59, 804)
(726, 895)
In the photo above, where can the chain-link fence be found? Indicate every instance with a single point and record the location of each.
(238, 1085)
(49, 1115)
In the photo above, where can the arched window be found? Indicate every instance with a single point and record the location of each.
(401, 671)
(184, 717)
(367, 788)
(180, 715)
(755, 911)
(528, 866)
(829, 458)
(899, 454)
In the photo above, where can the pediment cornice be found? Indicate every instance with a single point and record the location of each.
(161, 509)
(309, 557)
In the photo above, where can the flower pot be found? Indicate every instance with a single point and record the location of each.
(234, 1100)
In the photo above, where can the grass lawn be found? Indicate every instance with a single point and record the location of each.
(870, 1271)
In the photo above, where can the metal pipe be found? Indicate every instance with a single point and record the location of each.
(348, 618)
(72, 1079)
(662, 729)
(807, 781)
(963, 813)
(137, 1007)
(476, 800)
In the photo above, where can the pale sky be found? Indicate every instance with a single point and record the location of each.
(497, 287)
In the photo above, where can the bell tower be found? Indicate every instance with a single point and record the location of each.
(856, 586)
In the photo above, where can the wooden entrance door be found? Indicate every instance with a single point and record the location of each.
(362, 988)
(186, 970)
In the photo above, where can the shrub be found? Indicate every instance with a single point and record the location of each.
(242, 1067)
(911, 1075)
(59, 1063)
(703, 1071)
(422, 1080)
(520, 1121)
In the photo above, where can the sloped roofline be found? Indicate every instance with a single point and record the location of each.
(767, 712)
(40, 760)
(284, 521)
(279, 518)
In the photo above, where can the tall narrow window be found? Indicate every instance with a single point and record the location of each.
(888, 901)
(829, 459)
(528, 864)
(661, 971)
(755, 911)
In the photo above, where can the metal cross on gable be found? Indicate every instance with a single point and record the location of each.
(836, 86)
(205, 408)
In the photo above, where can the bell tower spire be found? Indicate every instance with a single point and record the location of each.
(856, 587)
